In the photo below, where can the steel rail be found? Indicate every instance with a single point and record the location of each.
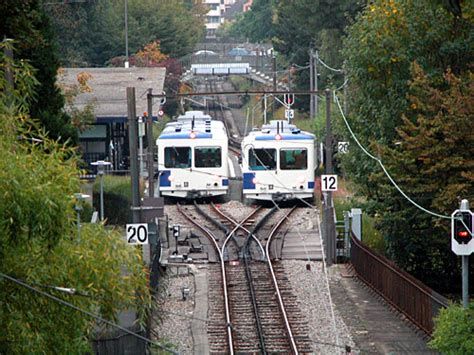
(211, 237)
(239, 225)
(275, 283)
(248, 275)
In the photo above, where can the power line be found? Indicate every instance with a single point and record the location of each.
(70, 305)
(378, 160)
(330, 68)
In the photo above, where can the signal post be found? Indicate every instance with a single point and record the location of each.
(462, 243)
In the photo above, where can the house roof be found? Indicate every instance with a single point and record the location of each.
(108, 88)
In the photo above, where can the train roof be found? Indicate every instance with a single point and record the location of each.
(195, 123)
(279, 130)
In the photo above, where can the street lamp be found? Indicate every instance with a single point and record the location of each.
(100, 164)
(78, 208)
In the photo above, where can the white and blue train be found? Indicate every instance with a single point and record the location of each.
(193, 157)
(278, 163)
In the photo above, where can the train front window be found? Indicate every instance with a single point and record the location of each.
(262, 159)
(207, 157)
(177, 157)
(293, 159)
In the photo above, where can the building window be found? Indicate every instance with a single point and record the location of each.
(213, 19)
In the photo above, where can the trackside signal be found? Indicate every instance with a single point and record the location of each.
(462, 242)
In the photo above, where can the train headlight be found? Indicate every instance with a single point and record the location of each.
(301, 179)
(254, 181)
(278, 137)
(170, 178)
(192, 135)
(217, 177)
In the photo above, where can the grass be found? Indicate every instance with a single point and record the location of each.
(344, 200)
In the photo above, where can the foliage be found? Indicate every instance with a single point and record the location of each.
(454, 327)
(302, 25)
(25, 22)
(151, 54)
(415, 116)
(255, 25)
(80, 118)
(39, 243)
(117, 199)
(92, 33)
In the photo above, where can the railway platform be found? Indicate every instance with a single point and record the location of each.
(375, 327)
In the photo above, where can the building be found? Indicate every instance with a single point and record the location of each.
(248, 5)
(214, 16)
(107, 138)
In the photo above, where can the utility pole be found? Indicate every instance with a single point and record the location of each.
(265, 109)
(345, 89)
(315, 70)
(289, 78)
(149, 135)
(311, 84)
(132, 142)
(329, 210)
(274, 83)
(126, 33)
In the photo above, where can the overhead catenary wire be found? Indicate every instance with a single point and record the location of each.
(90, 314)
(379, 161)
(330, 68)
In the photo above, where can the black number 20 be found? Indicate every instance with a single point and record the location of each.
(140, 233)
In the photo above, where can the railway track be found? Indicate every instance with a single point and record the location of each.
(252, 308)
(218, 108)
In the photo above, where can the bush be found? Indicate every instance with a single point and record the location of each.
(453, 332)
(117, 199)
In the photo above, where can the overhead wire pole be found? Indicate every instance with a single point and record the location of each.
(126, 33)
(311, 84)
(315, 88)
(329, 220)
(274, 83)
(345, 88)
(149, 136)
(132, 142)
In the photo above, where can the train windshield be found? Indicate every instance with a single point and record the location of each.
(262, 159)
(177, 157)
(293, 159)
(207, 157)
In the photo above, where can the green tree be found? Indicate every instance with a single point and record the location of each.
(26, 23)
(301, 25)
(413, 115)
(255, 25)
(92, 33)
(39, 243)
(454, 327)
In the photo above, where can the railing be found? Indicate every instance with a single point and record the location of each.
(415, 300)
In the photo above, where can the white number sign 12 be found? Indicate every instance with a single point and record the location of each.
(137, 233)
(329, 182)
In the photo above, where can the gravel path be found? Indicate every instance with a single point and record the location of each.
(311, 289)
(172, 319)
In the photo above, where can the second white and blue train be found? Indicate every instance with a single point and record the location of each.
(278, 163)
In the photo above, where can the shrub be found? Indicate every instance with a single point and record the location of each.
(453, 332)
(117, 199)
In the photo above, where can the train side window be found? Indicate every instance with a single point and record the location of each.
(207, 157)
(177, 157)
(293, 159)
(262, 159)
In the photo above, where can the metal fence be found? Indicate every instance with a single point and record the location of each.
(415, 300)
